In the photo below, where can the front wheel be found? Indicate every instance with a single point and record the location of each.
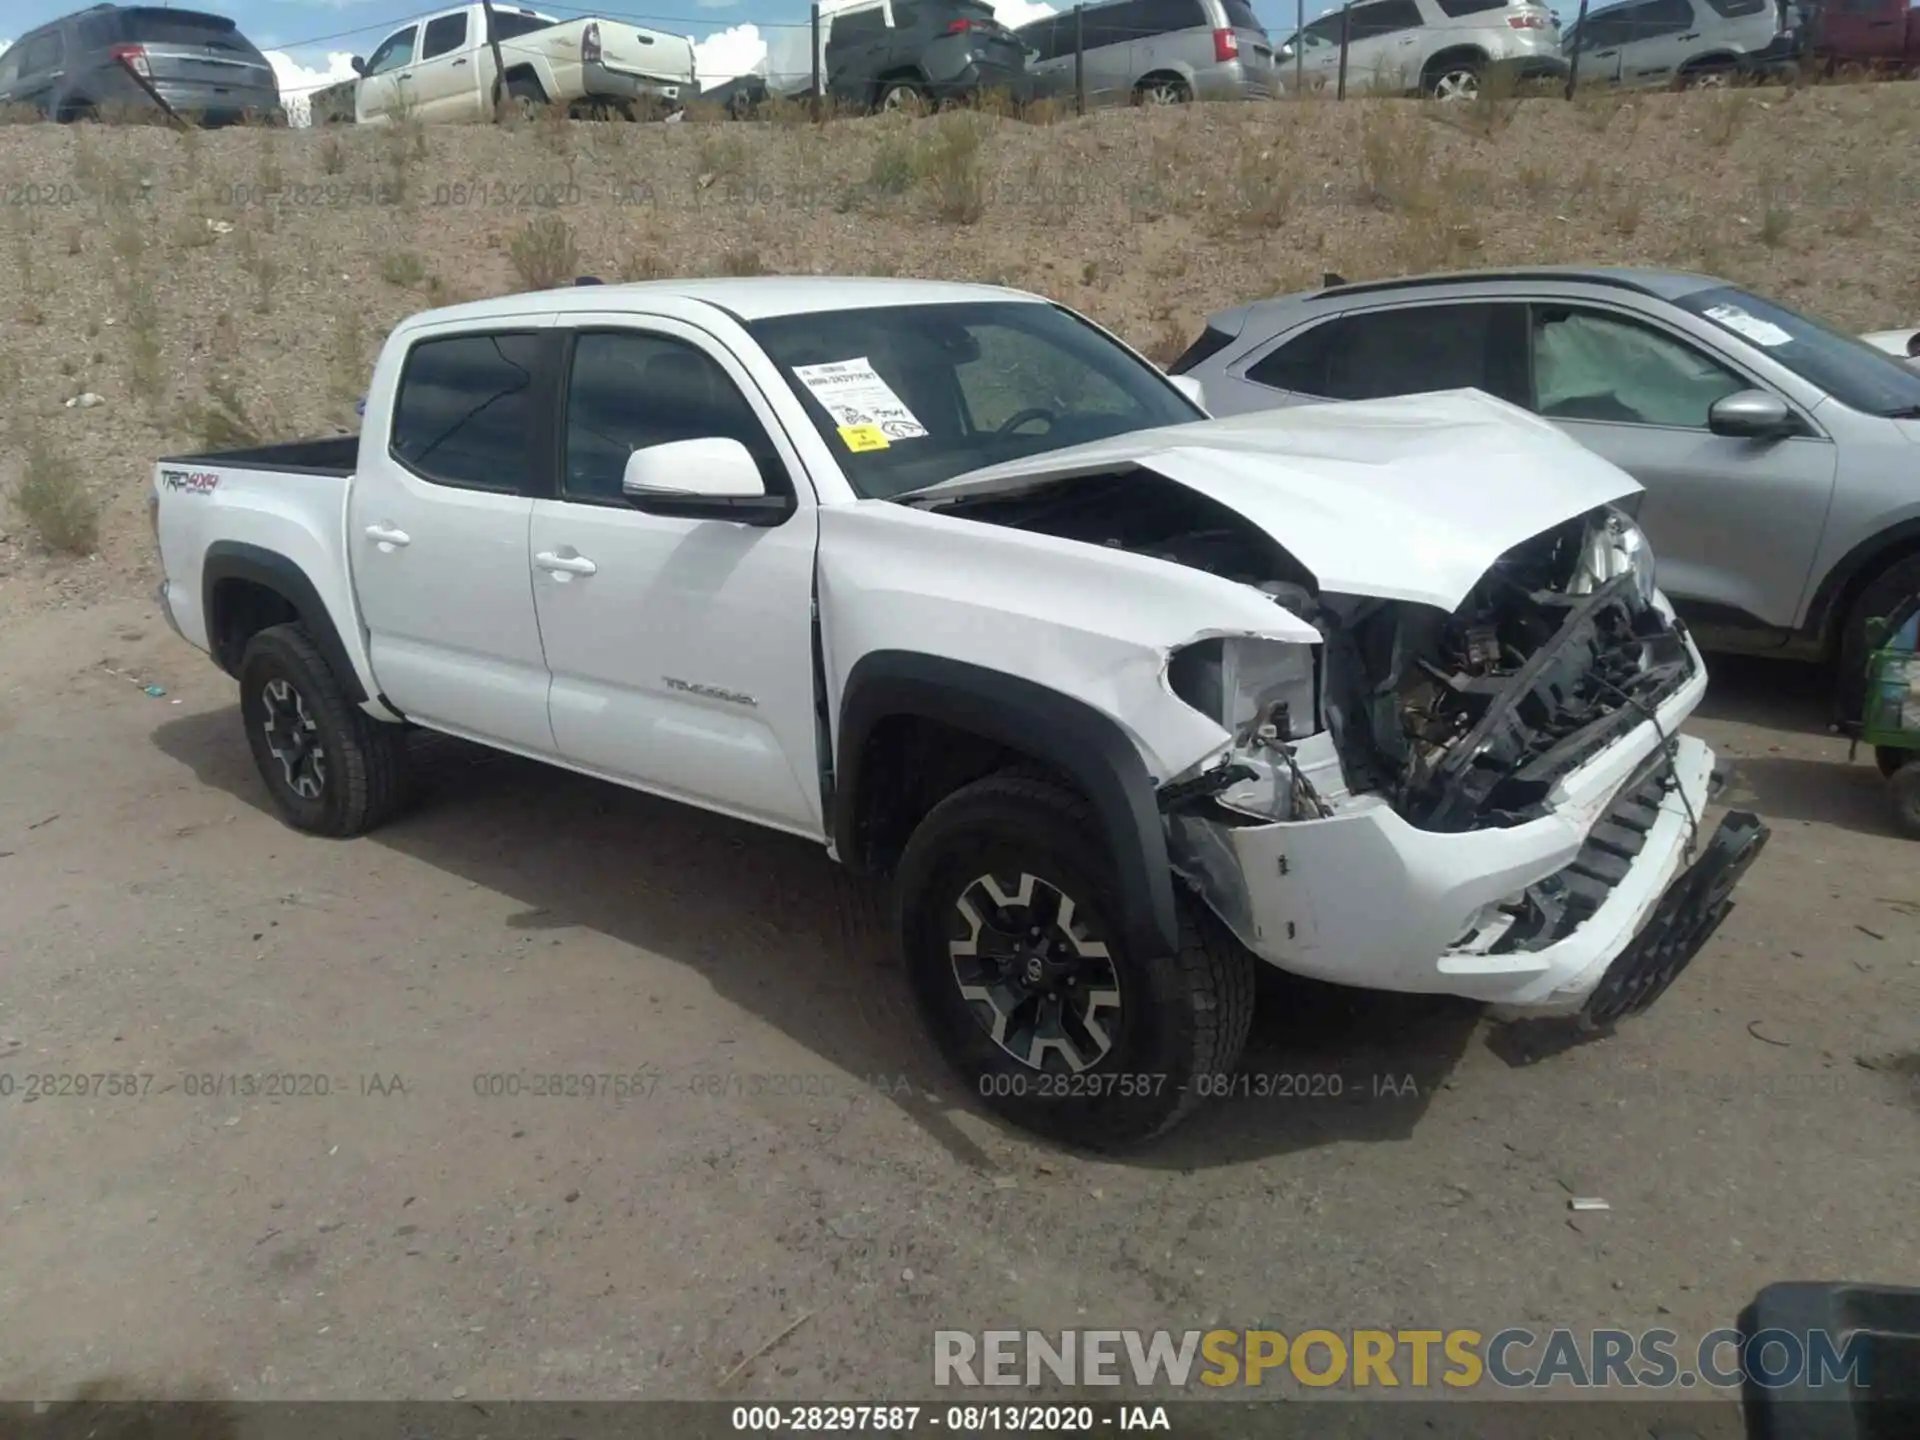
(1905, 792)
(331, 768)
(1884, 594)
(1009, 920)
(1162, 90)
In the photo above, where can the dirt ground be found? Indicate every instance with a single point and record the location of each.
(409, 1235)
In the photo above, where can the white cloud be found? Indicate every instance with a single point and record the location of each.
(298, 81)
(738, 50)
(1015, 13)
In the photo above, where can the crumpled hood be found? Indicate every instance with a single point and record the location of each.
(1411, 498)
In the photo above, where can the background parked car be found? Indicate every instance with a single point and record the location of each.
(883, 54)
(1685, 42)
(75, 68)
(1778, 455)
(1879, 35)
(1152, 52)
(1903, 343)
(441, 69)
(1434, 47)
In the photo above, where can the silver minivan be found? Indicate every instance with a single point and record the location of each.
(1152, 52)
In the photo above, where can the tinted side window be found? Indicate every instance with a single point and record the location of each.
(394, 52)
(1159, 17)
(1109, 24)
(1655, 18)
(444, 35)
(467, 410)
(1408, 351)
(1241, 17)
(628, 391)
(861, 25)
(1457, 8)
(512, 27)
(97, 32)
(40, 53)
(1384, 17)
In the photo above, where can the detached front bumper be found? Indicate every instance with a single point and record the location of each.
(1593, 907)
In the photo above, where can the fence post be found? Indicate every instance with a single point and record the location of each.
(1299, 48)
(499, 65)
(813, 95)
(1079, 61)
(1346, 24)
(1573, 60)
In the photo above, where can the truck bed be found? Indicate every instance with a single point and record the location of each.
(329, 455)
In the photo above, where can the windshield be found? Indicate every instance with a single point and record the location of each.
(1847, 368)
(907, 396)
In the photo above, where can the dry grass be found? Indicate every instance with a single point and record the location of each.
(544, 254)
(51, 496)
(222, 420)
(1147, 221)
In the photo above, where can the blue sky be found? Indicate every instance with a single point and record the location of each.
(314, 37)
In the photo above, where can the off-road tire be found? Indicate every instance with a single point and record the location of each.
(1183, 1018)
(1884, 592)
(1903, 788)
(365, 766)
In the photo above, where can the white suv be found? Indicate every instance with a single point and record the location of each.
(1440, 48)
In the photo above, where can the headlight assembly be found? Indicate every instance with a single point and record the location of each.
(1616, 546)
(1238, 680)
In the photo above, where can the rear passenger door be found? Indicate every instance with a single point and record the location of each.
(1661, 34)
(437, 523)
(1383, 46)
(40, 62)
(1160, 48)
(446, 82)
(681, 649)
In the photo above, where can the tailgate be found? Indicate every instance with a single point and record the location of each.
(645, 52)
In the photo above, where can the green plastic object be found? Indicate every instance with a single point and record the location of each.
(1890, 722)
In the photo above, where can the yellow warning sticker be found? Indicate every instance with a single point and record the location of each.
(863, 437)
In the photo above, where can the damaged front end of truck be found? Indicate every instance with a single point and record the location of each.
(1443, 801)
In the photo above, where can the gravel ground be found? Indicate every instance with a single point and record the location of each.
(407, 1236)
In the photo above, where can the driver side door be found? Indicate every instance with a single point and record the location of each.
(377, 98)
(681, 650)
(1734, 522)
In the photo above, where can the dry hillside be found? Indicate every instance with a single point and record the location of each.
(212, 287)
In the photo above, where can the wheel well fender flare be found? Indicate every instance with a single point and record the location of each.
(1834, 596)
(1453, 55)
(235, 560)
(1068, 735)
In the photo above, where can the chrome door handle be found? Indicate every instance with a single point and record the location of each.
(387, 535)
(461, 61)
(565, 564)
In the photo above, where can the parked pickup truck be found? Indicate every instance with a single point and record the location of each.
(944, 577)
(441, 69)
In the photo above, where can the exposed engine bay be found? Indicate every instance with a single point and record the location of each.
(1461, 721)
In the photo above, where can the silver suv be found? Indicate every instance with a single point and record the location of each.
(1780, 457)
(1440, 48)
(1151, 52)
(1684, 42)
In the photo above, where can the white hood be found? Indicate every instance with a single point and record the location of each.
(1405, 499)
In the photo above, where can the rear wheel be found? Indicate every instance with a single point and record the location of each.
(1009, 916)
(1905, 790)
(1455, 80)
(1162, 90)
(1707, 77)
(331, 768)
(525, 98)
(900, 95)
(1894, 585)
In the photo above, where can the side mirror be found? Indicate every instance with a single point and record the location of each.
(1285, 52)
(359, 65)
(707, 479)
(1752, 415)
(1189, 387)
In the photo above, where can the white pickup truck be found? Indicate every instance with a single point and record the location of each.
(953, 582)
(441, 70)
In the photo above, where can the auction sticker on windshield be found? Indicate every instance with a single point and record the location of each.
(858, 399)
(1761, 332)
(863, 437)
